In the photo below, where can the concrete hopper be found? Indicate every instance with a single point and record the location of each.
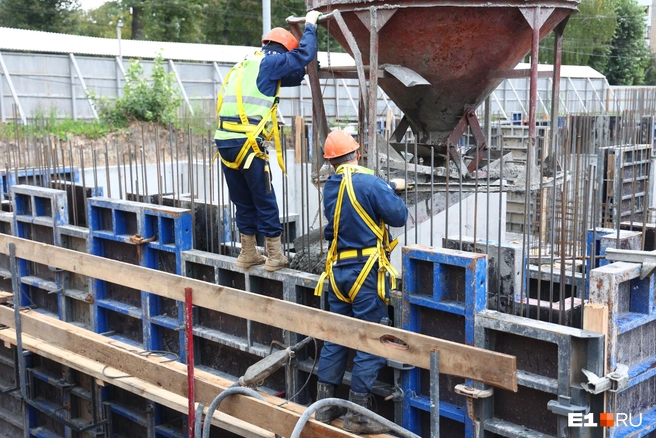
(463, 48)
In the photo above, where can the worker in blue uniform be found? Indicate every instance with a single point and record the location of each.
(247, 105)
(358, 206)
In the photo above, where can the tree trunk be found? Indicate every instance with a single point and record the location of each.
(137, 25)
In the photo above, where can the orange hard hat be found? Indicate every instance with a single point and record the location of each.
(281, 36)
(339, 143)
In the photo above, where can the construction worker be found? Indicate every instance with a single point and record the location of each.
(358, 206)
(246, 108)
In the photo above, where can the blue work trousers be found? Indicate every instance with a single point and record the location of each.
(366, 306)
(251, 190)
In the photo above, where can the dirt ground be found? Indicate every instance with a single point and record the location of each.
(140, 141)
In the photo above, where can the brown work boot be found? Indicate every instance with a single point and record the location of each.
(329, 413)
(356, 423)
(249, 255)
(275, 260)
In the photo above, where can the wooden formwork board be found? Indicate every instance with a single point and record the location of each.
(134, 385)
(411, 348)
(162, 375)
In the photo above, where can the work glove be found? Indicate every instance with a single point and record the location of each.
(312, 17)
(397, 184)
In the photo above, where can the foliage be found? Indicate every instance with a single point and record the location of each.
(629, 57)
(178, 21)
(101, 22)
(45, 15)
(42, 124)
(650, 72)
(154, 100)
(587, 36)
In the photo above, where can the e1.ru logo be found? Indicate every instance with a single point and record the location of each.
(606, 419)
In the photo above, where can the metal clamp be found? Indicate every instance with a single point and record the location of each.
(471, 392)
(615, 381)
(564, 406)
(397, 394)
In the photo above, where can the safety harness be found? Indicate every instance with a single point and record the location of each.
(379, 253)
(250, 149)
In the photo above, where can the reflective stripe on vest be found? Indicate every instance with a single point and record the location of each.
(239, 99)
(383, 244)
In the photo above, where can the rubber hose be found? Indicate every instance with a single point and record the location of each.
(296, 433)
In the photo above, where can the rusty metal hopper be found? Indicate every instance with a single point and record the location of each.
(464, 48)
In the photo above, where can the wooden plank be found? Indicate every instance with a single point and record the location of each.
(595, 319)
(170, 376)
(131, 384)
(299, 131)
(465, 361)
(5, 296)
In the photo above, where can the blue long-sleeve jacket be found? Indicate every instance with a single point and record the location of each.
(283, 66)
(288, 67)
(375, 196)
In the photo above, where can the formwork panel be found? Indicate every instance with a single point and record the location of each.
(527, 407)
(442, 291)
(631, 304)
(550, 358)
(263, 333)
(11, 409)
(533, 355)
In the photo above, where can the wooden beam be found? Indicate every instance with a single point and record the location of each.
(169, 376)
(595, 319)
(5, 296)
(136, 386)
(299, 136)
(465, 361)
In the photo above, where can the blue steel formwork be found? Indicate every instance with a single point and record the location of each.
(39, 177)
(154, 237)
(40, 214)
(443, 290)
(631, 304)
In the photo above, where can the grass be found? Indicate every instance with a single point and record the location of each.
(62, 128)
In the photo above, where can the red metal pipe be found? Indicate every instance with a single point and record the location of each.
(189, 345)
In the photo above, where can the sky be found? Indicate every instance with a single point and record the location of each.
(91, 4)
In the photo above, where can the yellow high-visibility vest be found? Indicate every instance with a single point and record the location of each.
(240, 98)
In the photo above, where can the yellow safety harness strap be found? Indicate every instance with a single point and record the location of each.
(379, 255)
(250, 148)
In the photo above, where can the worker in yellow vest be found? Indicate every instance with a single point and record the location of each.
(246, 109)
(358, 206)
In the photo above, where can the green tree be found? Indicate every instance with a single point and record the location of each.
(45, 15)
(587, 36)
(650, 71)
(629, 56)
(101, 22)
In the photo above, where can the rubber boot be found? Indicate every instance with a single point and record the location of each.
(275, 260)
(249, 255)
(329, 413)
(357, 423)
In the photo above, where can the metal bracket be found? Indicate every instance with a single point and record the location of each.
(563, 406)
(646, 258)
(613, 382)
(473, 393)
